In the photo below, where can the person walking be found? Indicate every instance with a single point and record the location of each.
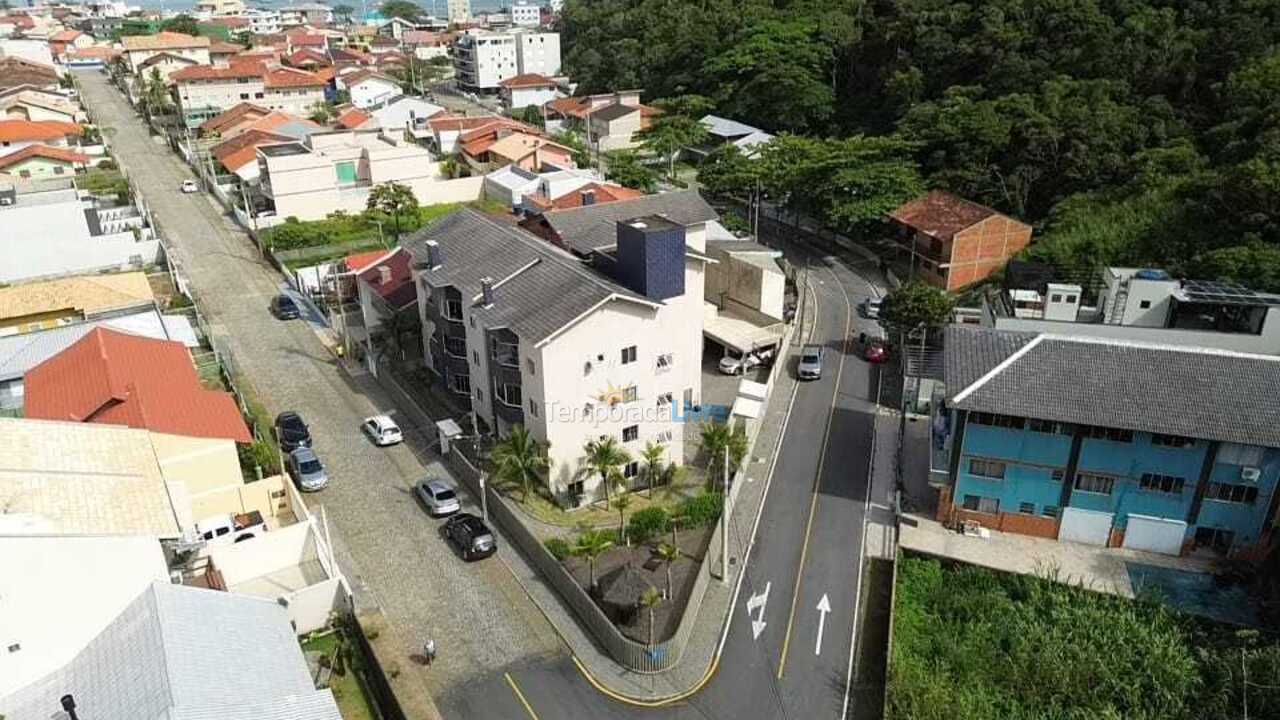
(429, 652)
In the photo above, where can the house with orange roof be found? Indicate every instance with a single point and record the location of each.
(16, 134)
(528, 90)
(42, 162)
(451, 131)
(63, 39)
(571, 113)
(501, 147)
(307, 59)
(222, 53)
(226, 123)
(138, 48)
(204, 92)
(165, 64)
(353, 119)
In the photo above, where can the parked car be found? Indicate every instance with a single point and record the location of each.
(870, 308)
(285, 308)
(291, 432)
(735, 364)
(231, 527)
(190, 186)
(471, 536)
(306, 470)
(382, 430)
(440, 497)
(810, 367)
(876, 354)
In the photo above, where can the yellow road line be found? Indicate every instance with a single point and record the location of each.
(822, 457)
(520, 696)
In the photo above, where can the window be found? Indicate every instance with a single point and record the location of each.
(665, 362)
(257, 96)
(475, 357)
(1049, 511)
(1226, 492)
(1144, 304)
(1112, 434)
(1174, 441)
(453, 309)
(1156, 482)
(479, 395)
(472, 322)
(1027, 508)
(1071, 299)
(528, 363)
(1047, 426)
(533, 408)
(1057, 297)
(456, 347)
(1090, 482)
(994, 420)
(460, 384)
(1219, 540)
(244, 96)
(509, 394)
(24, 173)
(346, 172)
(665, 399)
(631, 433)
(1058, 474)
(663, 437)
(58, 169)
(981, 504)
(986, 468)
(628, 355)
(631, 469)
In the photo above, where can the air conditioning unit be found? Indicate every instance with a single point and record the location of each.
(1250, 474)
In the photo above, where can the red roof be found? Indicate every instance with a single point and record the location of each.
(353, 118)
(603, 194)
(64, 36)
(231, 115)
(303, 55)
(940, 214)
(359, 261)
(290, 77)
(115, 378)
(44, 151)
(302, 40)
(218, 47)
(243, 148)
(528, 80)
(392, 278)
(37, 130)
(208, 72)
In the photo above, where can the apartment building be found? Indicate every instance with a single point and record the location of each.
(330, 171)
(526, 14)
(1109, 442)
(482, 60)
(305, 14)
(220, 7)
(527, 333)
(139, 48)
(205, 91)
(262, 22)
(953, 242)
(459, 11)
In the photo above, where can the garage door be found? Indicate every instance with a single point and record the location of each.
(1085, 526)
(1155, 534)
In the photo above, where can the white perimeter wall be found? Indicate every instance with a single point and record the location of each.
(53, 239)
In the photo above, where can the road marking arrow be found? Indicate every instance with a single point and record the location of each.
(824, 607)
(758, 601)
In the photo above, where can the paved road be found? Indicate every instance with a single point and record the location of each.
(480, 617)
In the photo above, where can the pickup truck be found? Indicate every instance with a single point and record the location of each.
(231, 527)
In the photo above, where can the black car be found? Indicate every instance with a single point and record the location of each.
(471, 536)
(292, 432)
(285, 308)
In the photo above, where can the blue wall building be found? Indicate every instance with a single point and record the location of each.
(1111, 443)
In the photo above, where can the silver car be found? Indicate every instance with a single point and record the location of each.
(810, 367)
(440, 497)
(306, 470)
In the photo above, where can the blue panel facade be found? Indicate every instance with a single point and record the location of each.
(1126, 462)
(1246, 519)
(651, 258)
(1030, 461)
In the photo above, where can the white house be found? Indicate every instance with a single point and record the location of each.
(204, 91)
(528, 90)
(369, 88)
(138, 48)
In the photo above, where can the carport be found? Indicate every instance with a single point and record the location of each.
(737, 333)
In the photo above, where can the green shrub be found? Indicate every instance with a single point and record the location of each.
(702, 509)
(558, 547)
(647, 523)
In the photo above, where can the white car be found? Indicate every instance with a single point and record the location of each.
(382, 430)
(732, 364)
(190, 186)
(440, 498)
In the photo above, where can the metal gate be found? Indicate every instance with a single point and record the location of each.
(1155, 534)
(1085, 526)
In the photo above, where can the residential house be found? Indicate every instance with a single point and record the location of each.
(459, 11)
(205, 92)
(529, 193)
(369, 88)
(239, 153)
(396, 28)
(1141, 304)
(336, 170)
(353, 118)
(16, 71)
(262, 21)
(164, 64)
(451, 132)
(308, 59)
(953, 242)
(305, 14)
(407, 113)
(63, 39)
(41, 162)
(526, 333)
(615, 127)
(528, 90)
(91, 57)
(29, 48)
(590, 193)
(723, 131)
(425, 44)
(189, 652)
(1108, 442)
(139, 48)
(583, 230)
(220, 7)
(221, 52)
(494, 147)
(32, 306)
(571, 113)
(233, 120)
(16, 134)
(26, 102)
(301, 39)
(483, 59)
(385, 290)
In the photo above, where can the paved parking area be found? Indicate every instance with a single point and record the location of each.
(479, 616)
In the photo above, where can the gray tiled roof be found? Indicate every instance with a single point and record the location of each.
(534, 304)
(182, 652)
(594, 226)
(612, 112)
(1207, 394)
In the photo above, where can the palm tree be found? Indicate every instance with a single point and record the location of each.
(717, 439)
(652, 457)
(605, 456)
(591, 544)
(668, 554)
(649, 600)
(622, 502)
(155, 93)
(520, 459)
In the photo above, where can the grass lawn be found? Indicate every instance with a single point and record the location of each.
(541, 508)
(347, 689)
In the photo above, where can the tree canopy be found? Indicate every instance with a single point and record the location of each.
(1161, 116)
(403, 9)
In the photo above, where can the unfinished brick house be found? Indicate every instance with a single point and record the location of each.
(955, 243)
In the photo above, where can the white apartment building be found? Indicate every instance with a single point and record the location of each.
(305, 14)
(459, 11)
(262, 22)
(220, 7)
(205, 91)
(483, 60)
(573, 347)
(139, 48)
(332, 171)
(526, 14)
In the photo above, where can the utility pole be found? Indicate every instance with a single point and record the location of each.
(724, 522)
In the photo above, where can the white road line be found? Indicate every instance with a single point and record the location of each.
(824, 607)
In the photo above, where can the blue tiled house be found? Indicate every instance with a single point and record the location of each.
(1110, 443)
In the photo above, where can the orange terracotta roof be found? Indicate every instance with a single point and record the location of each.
(65, 36)
(163, 56)
(300, 56)
(243, 148)
(115, 378)
(528, 80)
(228, 22)
(275, 119)
(163, 41)
(325, 74)
(493, 124)
(219, 47)
(44, 151)
(95, 51)
(290, 77)
(232, 115)
(35, 130)
(209, 72)
(353, 118)
(603, 194)
(360, 261)
(308, 41)
(940, 214)
(575, 106)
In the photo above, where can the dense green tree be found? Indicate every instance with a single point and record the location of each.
(678, 127)
(626, 168)
(403, 9)
(913, 304)
(184, 24)
(777, 75)
(343, 12)
(395, 200)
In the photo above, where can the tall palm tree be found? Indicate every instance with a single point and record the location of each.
(649, 600)
(622, 502)
(718, 439)
(652, 457)
(668, 554)
(591, 544)
(520, 459)
(605, 456)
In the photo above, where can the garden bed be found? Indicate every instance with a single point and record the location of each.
(347, 686)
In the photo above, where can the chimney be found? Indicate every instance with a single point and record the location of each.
(588, 197)
(486, 291)
(435, 255)
(384, 275)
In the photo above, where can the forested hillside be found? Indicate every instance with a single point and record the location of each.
(1129, 131)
